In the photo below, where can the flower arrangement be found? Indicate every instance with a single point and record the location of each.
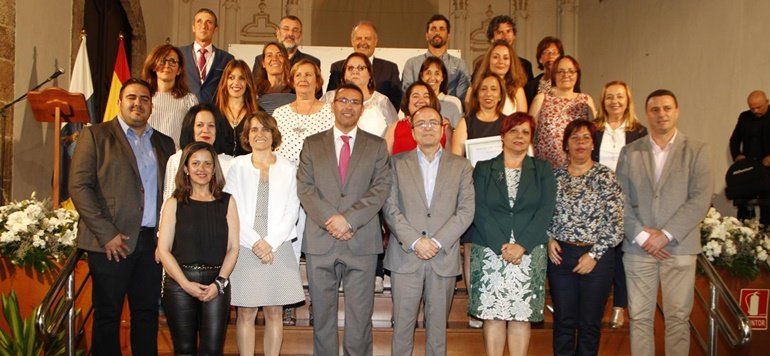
(31, 234)
(740, 247)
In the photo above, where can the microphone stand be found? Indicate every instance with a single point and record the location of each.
(4, 110)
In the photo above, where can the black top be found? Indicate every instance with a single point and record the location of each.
(201, 231)
(478, 129)
(751, 136)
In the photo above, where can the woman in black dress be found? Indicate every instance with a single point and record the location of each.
(198, 246)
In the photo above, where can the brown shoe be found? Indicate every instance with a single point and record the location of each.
(617, 318)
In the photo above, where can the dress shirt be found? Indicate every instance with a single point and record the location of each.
(659, 156)
(612, 142)
(338, 141)
(148, 170)
(429, 170)
(458, 80)
(209, 56)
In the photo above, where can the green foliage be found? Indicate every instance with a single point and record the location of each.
(22, 339)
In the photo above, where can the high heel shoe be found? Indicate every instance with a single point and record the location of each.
(617, 318)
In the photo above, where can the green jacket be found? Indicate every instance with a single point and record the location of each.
(532, 210)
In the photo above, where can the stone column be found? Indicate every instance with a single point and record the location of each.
(567, 25)
(520, 15)
(228, 31)
(460, 38)
(7, 62)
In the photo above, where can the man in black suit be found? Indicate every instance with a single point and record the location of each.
(289, 34)
(364, 40)
(751, 140)
(502, 27)
(204, 63)
(116, 182)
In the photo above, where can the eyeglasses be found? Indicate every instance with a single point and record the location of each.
(427, 125)
(564, 72)
(346, 101)
(551, 53)
(359, 68)
(171, 62)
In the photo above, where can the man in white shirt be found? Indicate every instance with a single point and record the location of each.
(667, 185)
(204, 63)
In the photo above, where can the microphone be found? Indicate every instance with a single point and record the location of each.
(59, 71)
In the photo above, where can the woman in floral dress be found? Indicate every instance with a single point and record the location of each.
(515, 199)
(555, 109)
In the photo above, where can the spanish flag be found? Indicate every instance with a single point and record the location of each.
(120, 74)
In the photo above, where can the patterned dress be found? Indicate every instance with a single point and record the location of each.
(501, 290)
(295, 128)
(553, 118)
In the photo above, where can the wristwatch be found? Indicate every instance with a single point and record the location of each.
(221, 283)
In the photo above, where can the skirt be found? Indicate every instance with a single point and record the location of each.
(255, 284)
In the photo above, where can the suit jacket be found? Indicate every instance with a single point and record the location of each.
(410, 217)
(676, 203)
(206, 91)
(631, 136)
(106, 186)
(751, 136)
(532, 210)
(256, 69)
(322, 194)
(386, 79)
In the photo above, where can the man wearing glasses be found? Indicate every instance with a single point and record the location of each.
(427, 219)
(289, 34)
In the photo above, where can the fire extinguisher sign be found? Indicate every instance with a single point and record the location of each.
(754, 304)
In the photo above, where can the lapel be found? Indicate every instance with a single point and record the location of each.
(648, 162)
(193, 78)
(160, 158)
(330, 151)
(442, 172)
(359, 147)
(413, 163)
(525, 181)
(218, 58)
(125, 147)
(499, 184)
(676, 150)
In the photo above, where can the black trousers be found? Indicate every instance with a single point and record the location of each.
(190, 319)
(138, 277)
(619, 291)
(578, 301)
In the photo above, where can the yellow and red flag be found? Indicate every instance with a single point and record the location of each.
(120, 74)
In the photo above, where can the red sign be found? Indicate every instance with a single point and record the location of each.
(754, 303)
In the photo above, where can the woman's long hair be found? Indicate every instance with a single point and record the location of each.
(262, 84)
(154, 60)
(629, 116)
(514, 79)
(182, 179)
(223, 97)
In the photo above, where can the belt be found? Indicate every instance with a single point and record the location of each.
(577, 243)
(200, 267)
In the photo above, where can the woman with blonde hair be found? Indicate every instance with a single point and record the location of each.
(236, 98)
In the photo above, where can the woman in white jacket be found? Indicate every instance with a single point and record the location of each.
(266, 273)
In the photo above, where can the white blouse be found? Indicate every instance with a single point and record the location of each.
(168, 113)
(612, 142)
(283, 202)
(172, 167)
(295, 128)
(378, 113)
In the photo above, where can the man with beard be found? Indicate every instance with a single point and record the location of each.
(364, 40)
(289, 34)
(437, 35)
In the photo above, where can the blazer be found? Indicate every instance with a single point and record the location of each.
(676, 203)
(631, 136)
(532, 210)
(283, 203)
(322, 194)
(106, 186)
(410, 217)
(206, 91)
(386, 79)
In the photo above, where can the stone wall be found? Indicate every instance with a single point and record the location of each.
(7, 57)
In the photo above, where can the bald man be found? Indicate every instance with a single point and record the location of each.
(751, 140)
(364, 40)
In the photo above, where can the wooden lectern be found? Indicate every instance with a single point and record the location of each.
(58, 105)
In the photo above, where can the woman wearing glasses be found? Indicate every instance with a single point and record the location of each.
(163, 70)
(555, 109)
(378, 112)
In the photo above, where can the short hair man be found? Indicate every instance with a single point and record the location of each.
(342, 182)
(437, 35)
(548, 50)
(364, 40)
(115, 182)
(751, 140)
(427, 226)
(289, 34)
(502, 27)
(204, 63)
(667, 186)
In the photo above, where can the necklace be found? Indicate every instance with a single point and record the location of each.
(233, 118)
(298, 128)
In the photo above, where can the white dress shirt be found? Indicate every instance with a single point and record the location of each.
(338, 141)
(612, 142)
(209, 56)
(659, 157)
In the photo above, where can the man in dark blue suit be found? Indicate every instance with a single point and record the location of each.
(204, 63)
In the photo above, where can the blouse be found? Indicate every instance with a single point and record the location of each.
(168, 113)
(612, 142)
(589, 209)
(200, 235)
(295, 128)
(172, 167)
(377, 115)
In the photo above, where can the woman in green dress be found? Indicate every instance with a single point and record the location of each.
(515, 199)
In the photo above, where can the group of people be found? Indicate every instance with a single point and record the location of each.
(239, 171)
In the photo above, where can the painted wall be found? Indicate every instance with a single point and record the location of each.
(710, 53)
(42, 43)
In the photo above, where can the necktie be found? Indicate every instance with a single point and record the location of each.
(202, 64)
(344, 158)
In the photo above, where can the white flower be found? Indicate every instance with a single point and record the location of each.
(719, 232)
(38, 242)
(713, 248)
(18, 222)
(730, 248)
(34, 211)
(8, 236)
(761, 254)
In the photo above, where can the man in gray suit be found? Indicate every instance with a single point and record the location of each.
(431, 204)
(342, 181)
(667, 186)
(116, 182)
